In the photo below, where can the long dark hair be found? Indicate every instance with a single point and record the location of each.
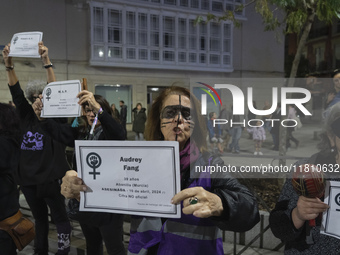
(9, 121)
(153, 128)
(104, 105)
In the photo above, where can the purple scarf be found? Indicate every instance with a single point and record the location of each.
(188, 155)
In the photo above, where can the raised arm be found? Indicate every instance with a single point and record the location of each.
(43, 51)
(11, 76)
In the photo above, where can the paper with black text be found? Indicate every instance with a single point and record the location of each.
(60, 99)
(129, 177)
(25, 45)
(330, 218)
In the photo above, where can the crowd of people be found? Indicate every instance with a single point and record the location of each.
(33, 158)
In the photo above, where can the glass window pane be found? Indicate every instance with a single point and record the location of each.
(98, 34)
(227, 31)
(205, 4)
(154, 55)
(215, 30)
(202, 43)
(192, 43)
(172, 2)
(168, 56)
(130, 37)
(168, 40)
(182, 57)
(114, 52)
(114, 35)
(184, 3)
(154, 39)
(226, 60)
(215, 44)
(130, 20)
(114, 17)
(169, 24)
(98, 51)
(131, 53)
(98, 16)
(194, 4)
(226, 45)
(202, 58)
(214, 59)
(182, 26)
(143, 38)
(142, 21)
(192, 57)
(217, 6)
(182, 43)
(154, 20)
(143, 54)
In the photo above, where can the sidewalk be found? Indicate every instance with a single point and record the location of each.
(306, 148)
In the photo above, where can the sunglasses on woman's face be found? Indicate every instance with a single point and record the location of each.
(171, 111)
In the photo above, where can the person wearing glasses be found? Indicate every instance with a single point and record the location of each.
(96, 123)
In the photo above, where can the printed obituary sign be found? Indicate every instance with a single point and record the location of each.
(128, 177)
(60, 99)
(330, 219)
(26, 44)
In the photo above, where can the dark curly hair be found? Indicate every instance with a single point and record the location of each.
(9, 121)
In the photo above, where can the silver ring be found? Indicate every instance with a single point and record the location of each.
(193, 200)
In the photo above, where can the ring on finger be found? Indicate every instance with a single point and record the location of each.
(193, 200)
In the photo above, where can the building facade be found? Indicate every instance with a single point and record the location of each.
(130, 49)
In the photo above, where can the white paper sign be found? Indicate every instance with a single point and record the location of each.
(60, 99)
(129, 177)
(26, 44)
(331, 218)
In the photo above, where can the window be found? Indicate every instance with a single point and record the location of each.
(137, 36)
(217, 6)
(115, 93)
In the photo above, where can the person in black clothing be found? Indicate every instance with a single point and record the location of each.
(139, 122)
(9, 163)
(42, 162)
(289, 221)
(123, 115)
(220, 203)
(95, 226)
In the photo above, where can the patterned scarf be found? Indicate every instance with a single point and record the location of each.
(188, 155)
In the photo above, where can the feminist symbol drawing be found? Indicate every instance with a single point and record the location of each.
(48, 93)
(94, 161)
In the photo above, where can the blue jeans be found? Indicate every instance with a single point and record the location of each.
(235, 136)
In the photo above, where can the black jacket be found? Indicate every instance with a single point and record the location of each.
(282, 225)
(240, 207)
(42, 159)
(123, 113)
(139, 120)
(9, 162)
